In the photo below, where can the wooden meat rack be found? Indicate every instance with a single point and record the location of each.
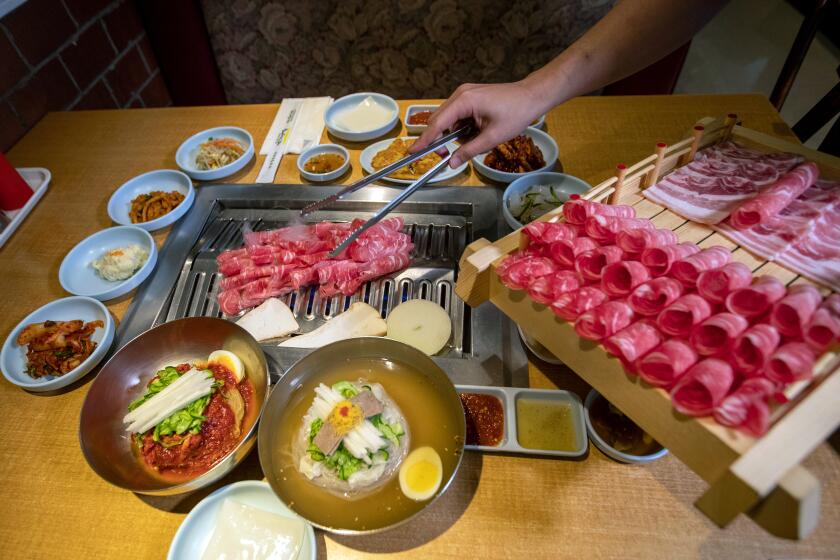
(760, 477)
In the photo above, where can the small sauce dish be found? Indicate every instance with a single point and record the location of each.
(413, 110)
(320, 150)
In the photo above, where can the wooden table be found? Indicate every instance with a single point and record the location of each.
(499, 506)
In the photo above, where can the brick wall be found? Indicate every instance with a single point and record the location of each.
(58, 55)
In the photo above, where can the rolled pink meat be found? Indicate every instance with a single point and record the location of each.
(716, 284)
(632, 342)
(634, 241)
(520, 274)
(545, 233)
(775, 198)
(577, 211)
(591, 264)
(680, 318)
(753, 348)
(690, 268)
(513, 258)
(747, 407)
(620, 278)
(565, 252)
(548, 288)
(791, 362)
(659, 260)
(824, 327)
(716, 335)
(604, 320)
(792, 313)
(703, 387)
(665, 364)
(654, 295)
(603, 229)
(756, 299)
(571, 305)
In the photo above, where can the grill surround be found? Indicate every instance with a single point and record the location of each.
(441, 221)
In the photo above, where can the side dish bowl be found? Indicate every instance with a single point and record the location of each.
(605, 447)
(188, 150)
(367, 155)
(323, 149)
(348, 102)
(428, 401)
(412, 109)
(78, 276)
(564, 185)
(13, 357)
(166, 180)
(196, 529)
(541, 139)
(104, 442)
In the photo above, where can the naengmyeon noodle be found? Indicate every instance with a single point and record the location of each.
(376, 469)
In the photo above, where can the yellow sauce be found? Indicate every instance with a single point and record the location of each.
(544, 424)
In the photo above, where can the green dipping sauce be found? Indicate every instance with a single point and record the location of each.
(545, 424)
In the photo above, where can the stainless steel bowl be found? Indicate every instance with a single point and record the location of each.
(288, 393)
(106, 445)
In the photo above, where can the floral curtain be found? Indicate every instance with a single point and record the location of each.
(404, 48)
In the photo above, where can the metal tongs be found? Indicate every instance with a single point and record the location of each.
(462, 132)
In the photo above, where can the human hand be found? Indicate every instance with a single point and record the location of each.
(500, 112)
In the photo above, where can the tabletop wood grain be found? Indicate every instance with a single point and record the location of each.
(54, 506)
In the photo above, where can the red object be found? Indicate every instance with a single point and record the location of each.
(659, 260)
(774, 198)
(571, 305)
(689, 269)
(590, 265)
(633, 342)
(791, 362)
(746, 408)
(621, 278)
(546, 289)
(604, 320)
(679, 318)
(652, 297)
(754, 347)
(667, 363)
(754, 300)
(716, 284)
(564, 253)
(716, 335)
(14, 191)
(635, 241)
(577, 210)
(793, 312)
(703, 387)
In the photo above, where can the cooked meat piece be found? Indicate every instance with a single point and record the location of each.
(367, 401)
(518, 155)
(327, 439)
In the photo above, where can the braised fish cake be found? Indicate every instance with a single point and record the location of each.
(398, 150)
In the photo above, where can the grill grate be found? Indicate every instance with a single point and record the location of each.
(430, 276)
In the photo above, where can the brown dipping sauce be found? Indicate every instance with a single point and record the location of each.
(485, 419)
(420, 117)
(619, 431)
(323, 163)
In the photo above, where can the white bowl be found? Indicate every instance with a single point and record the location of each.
(78, 276)
(564, 185)
(542, 140)
(349, 101)
(323, 149)
(195, 531)
(366, 160)
(13, 356)
(540, 122)
(188, 150)
(166, 180)
(606, 448)
(417, 128)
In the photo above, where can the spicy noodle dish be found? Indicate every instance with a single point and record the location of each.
(191, 415)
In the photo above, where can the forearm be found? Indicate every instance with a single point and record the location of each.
(633, 35)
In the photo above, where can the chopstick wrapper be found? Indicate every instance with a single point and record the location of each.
(298, 124)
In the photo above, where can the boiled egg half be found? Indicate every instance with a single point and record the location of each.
(230, 361)
(421, 474)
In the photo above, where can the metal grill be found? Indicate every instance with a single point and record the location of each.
(430, 276)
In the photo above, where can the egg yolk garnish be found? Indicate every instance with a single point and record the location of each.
(421, 474)
(229, 361)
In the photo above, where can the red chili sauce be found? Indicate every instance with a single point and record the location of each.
(189, 455)
(485, 419)
(420, 117)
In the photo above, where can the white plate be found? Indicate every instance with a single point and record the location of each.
(366, 159)
(188, 150)
(410, 110)
(166, 180)
(347, 102)
(13, 356)
(195, 531)
(323, 149)
(543, 141)
(38, 180)
(78, 276)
